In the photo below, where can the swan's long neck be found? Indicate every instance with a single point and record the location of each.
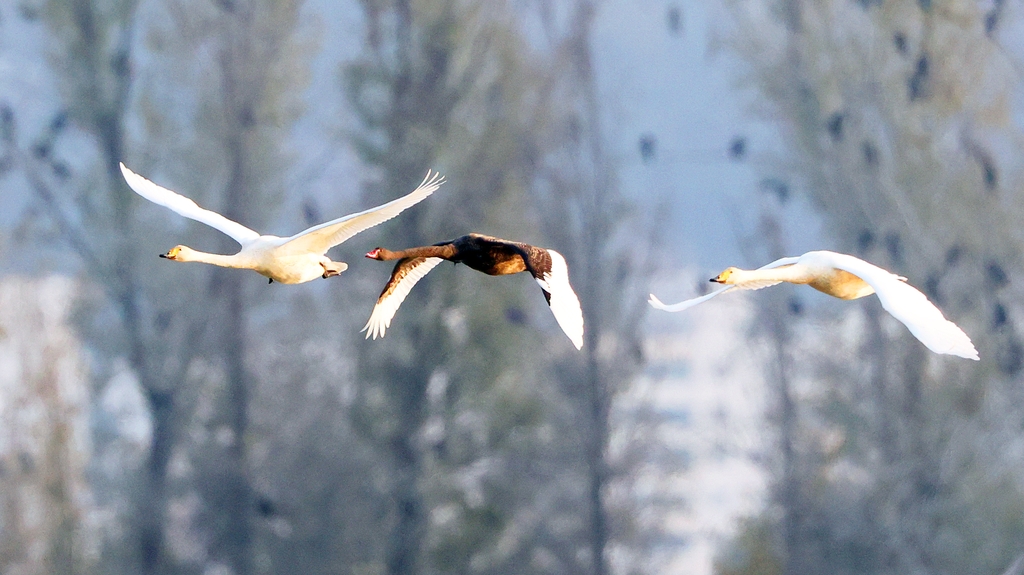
(796, 274)
(224, 261)
(446, 252)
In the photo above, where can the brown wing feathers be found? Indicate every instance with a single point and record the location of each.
(402, 269)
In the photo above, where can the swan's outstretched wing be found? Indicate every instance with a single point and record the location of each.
(561, 298)
(185, 207)
(686, 304)
(319, 239)
(405, 275)
(908, 305)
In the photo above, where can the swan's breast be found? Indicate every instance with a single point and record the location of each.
(841, 284)
(290, 268)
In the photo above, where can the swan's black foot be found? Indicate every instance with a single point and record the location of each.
(270, 280)
(333, 269)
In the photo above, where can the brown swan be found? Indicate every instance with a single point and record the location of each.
(492, 256)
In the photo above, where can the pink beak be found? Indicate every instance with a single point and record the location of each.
(373, 254)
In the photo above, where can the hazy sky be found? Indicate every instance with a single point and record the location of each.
(654, 83)
(673, 87)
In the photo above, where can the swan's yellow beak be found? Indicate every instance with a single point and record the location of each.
(172, 254)
(723, 277)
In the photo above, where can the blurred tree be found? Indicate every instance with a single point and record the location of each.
(406, 91)
(600, 233)
(481, 416)
(897, 123)
(248, 66)
(439, 76)
(90, 56)
(753, 553)
(48, 517)
(317, 482)
(239, 119)
(473, 400)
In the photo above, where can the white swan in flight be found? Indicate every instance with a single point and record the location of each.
(846, 277)
(293, 260)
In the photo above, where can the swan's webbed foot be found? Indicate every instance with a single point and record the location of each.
(332, 269)
(270, 280)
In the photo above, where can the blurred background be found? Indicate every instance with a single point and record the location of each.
(160, 418)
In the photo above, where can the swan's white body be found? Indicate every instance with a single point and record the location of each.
(847, 277)
(293, 260)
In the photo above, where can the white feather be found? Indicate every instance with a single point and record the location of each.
(185, 207)
(564, 303)
(905, 303)
(686, 304)
(320, 238)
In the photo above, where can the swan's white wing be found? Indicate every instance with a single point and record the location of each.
(185, 207)
(686, 304)
(319, 239)
(405, 275)
(781, 262)
(908, 305)
(562, 299)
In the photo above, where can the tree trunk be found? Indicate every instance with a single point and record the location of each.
(150, 507)
(789, 489)
(237, 538)
(403, 549)
(239, 500)
(151, 504)
(597, 443)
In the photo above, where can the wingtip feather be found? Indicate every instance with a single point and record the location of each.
(563, 302)
(128, 174)
(962, 345)
(374, 327)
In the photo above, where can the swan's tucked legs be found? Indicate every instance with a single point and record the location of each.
(332, 269)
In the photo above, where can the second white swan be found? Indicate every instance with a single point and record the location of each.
(846, 277)
(293, 260)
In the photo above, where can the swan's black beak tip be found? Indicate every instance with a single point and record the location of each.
(163, 255)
